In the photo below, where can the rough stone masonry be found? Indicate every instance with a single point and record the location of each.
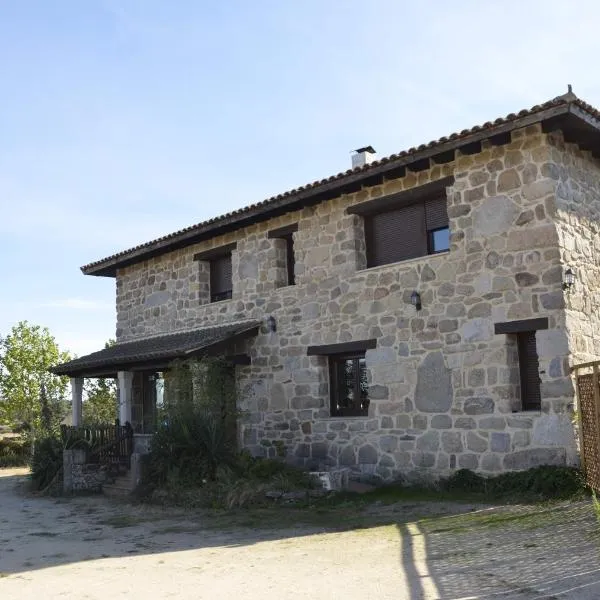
(443, 386)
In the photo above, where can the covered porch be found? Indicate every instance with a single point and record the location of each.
(139, 368)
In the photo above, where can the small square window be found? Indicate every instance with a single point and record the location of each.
(439, 240)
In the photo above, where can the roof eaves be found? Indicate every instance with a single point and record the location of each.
(335, 184)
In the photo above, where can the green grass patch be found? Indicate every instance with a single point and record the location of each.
(523, 517)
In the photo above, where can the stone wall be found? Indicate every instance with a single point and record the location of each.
(577, 175)
(444, 388)
(79, 477)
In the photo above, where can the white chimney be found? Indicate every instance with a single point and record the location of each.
(363, 156)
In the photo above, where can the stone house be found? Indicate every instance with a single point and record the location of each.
(411, 316)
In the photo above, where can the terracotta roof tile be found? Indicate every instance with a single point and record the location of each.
(565, 100)
(162, 347)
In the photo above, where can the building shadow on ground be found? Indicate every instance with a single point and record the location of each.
(476, 552)
(543, 552)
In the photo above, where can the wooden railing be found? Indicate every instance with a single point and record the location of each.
(104, 444)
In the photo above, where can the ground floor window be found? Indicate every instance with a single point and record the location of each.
(529, 371)
(522, 335)
(349, 388)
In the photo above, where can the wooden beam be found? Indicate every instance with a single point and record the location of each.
(471, 148)
(282, 231)
(444, 157)
(501, 139)
(520, 326)
(343, 348)
(396, 173)
(419, 165)
(215, 252)
(553, 124)
(392, 201)
(586, 365)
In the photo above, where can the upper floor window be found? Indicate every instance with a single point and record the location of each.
(221, 286)
(407, 232)
(286, 234)
(406, 225)
(215, 274)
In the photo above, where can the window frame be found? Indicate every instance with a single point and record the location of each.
(528, 364)
(226, 294)
(287, 235)
(336, 362)
(430, 240)
(525, 330)
(290, 259)
(423, 235)
(424, 196)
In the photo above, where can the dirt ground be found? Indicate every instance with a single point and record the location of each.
(96, 548)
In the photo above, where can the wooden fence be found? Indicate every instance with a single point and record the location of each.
(588, 412)
(104, 444)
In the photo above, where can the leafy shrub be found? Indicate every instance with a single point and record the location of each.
(465, 480)
(46, 463)
(540, 483)
(14, 451)
(197, 430)
(193, 458)
(189, 449)
(543, 482)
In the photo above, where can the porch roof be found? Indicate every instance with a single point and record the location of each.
(157, 351)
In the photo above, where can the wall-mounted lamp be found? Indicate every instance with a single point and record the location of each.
(272, 324)
(569, 281)
(415, 300)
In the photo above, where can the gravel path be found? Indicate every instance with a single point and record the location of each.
(93, 548)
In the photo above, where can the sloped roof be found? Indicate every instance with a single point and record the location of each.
(562, 111)
(163, 348)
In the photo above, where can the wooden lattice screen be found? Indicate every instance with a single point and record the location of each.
(588, 392)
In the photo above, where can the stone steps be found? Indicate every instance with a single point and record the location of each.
(116, 491)
(120, 485)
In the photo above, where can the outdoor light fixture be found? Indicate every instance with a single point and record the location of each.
(272, 324)
(569, 281)
(415, 300)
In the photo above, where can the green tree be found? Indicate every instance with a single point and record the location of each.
(27, 388)
(100, 399)
(100, 404)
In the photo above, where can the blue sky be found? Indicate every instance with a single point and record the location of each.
(124, 120)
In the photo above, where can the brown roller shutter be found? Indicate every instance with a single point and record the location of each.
(436, 213)
(529, 370)
(220, 278)
(290, 260)
(396, 235)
